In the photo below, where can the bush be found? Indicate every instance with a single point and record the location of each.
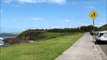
(14, 41)
(32, 35)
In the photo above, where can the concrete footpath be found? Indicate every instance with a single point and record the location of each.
(83, 49)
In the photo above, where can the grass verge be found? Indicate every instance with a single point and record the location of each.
(41, 50)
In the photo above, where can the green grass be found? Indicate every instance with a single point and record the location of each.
(40, 50)
(51, 35)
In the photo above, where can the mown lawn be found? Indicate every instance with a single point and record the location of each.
(40, 50)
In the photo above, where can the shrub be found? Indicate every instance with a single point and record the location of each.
(14, 41)
(31, 35)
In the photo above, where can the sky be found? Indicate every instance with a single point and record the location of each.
(20, 15)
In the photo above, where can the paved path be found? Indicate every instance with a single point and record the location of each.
(83, 49)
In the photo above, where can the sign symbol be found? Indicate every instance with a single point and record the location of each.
(93, 15)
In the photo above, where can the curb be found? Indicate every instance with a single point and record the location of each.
(101, 53)
(97, 55)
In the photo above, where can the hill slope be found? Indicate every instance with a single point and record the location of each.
(41, 50)
(104, 27)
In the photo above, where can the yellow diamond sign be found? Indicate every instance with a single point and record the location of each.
(93, 15)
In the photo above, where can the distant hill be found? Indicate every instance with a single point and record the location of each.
(104, 27)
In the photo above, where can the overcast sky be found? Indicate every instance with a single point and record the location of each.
(20, 15)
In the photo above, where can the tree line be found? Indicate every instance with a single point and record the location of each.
(79, 29)
(32, 34)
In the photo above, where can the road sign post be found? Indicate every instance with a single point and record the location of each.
(93, 24)
(93, 15)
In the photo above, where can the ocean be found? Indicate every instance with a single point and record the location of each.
(4, 35)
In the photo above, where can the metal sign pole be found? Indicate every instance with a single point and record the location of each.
(93, 24)
(93, 15)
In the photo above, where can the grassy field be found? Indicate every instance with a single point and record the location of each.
(40, 50)
(51, 35)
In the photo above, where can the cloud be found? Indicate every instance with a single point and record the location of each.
(100, 24)
(17, 5)
(37, 1)
(91, 7)
(57, 1)
(7, 1)
(37, 19)
(67, 20)
(31, 1)
(58, 26)
(54, 27)
(89, 3)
